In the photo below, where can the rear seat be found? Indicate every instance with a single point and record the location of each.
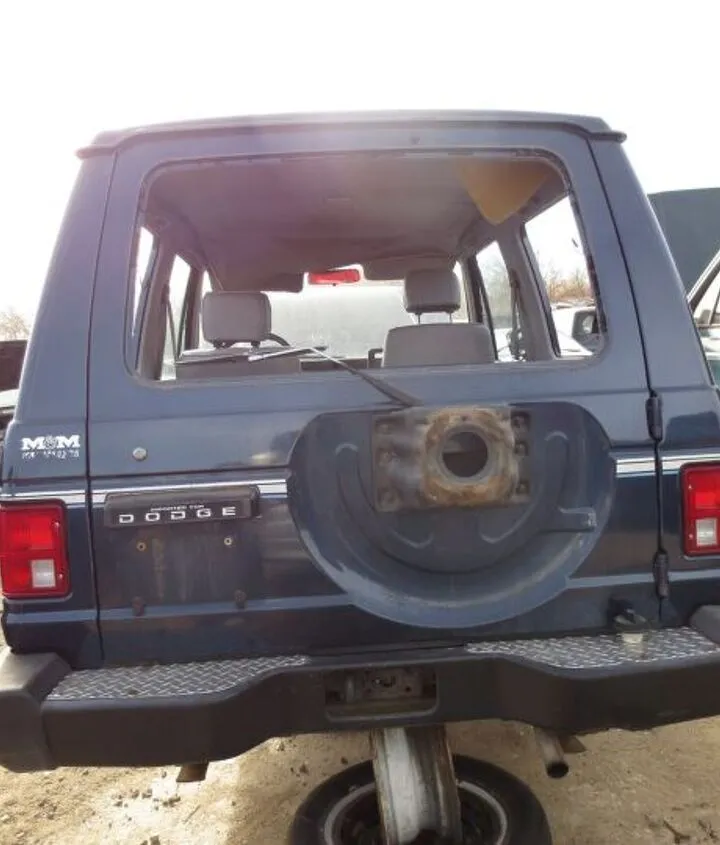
(436, 291)
(230, 317)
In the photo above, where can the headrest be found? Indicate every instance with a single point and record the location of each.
(234, 316)
(431, 290)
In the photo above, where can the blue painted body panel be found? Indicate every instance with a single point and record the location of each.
(207, 433)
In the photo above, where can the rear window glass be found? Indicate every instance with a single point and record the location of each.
(555, 242)
(496, 280)
(144, 255)
(260, 235)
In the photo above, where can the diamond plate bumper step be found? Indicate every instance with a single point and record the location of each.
(604, 651)
(171, 680)
(574, 654)
(172, 714)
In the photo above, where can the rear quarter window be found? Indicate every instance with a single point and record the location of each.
(554, 240)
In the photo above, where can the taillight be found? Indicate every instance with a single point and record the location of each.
(701, 509)
(33, 556)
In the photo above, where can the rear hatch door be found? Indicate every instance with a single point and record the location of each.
(281, 539)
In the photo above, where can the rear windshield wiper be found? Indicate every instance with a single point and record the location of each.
(394, 393)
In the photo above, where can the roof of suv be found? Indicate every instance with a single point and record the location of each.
(581, 124)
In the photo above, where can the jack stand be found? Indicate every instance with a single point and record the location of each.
(416, 785)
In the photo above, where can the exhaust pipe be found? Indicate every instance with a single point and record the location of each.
(552, 753)
(192, 773)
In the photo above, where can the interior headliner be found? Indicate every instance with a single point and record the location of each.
(262, 224)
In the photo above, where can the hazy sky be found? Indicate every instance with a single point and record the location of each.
(71, 69)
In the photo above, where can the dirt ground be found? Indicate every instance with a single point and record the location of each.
(652, 788)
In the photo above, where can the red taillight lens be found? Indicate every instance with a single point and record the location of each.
(33, 556)
(701, 509)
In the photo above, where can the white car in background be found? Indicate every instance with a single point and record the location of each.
(8, 400)
(577, 323)
(12, 355)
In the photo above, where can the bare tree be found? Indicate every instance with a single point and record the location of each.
(571, 287)
(13, 326)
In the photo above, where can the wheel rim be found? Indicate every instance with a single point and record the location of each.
(355, 819)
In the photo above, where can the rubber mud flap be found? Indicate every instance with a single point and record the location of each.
(452, 517)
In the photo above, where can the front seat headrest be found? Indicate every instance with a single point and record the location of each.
(432, 290)
(235, 317)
